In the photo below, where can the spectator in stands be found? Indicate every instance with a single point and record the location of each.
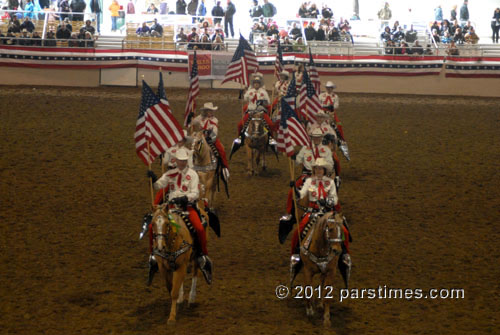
(11, 5)
(229, 13)
(95, 8)
(435, 36)
(411, 35)
(446, 39)
(458, 37)
(64, 9)
(152, 9)
(143, 30)
(464, 12)
(310, 32)
(87, 27)
(471, 36)
(180, 7)
(395, 27)
(299, 45)
(28, 25)
(36, 39)
(345, 35)
(402, 49)
(67, 24)
(217, 11)
(453, 13)
(445, 27)
(386, 34)
(205, 44)
(14, 26)
(181, 37)
(334, 34)
(194, 43)
(44, 4)
(438, 13)
(130, 7)
(192, 7)
(50, 40)
(86, 40)
(453, 27)
(73, 40)
(255, 10)
(295, 31)
(399, 35)
(321, 33)
(495, 25)
(452, 49)
(287, 46)
(303, 11)
(435, 26)
(467, 27)
(29, 8)
(193, 35)
(273, 30)
(202, 9)
(156, 29)
(63, 33)
(385, 14)
(326, 12)
(24, 38)
(114, 8)
(78, 8)
(10, 39)
(313, 11)
(417, 49)
(218, 43)
(389, 47)
(268, 10)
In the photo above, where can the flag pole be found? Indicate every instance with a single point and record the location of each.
(162, 157)
(292, 177)
(272, 94)
(242, 101)
(151, 181)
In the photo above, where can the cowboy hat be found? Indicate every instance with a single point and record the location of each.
(330, 84)
(321, 162)
(321, 113)
(181, 154)
(285, 73)
(257, 77)
(209, 106)
(317, 133)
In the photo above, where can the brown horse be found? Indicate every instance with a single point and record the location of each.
(256, 139)
(320, 251)
(205, 164)
(173, 250)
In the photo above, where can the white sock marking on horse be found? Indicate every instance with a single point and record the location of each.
(180, 299)
(192, 293)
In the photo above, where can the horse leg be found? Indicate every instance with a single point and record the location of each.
(180, 300)
(178, 279)
(307, 281)
(326, 302)
(194, 281)
(264, 167)
(249, 160)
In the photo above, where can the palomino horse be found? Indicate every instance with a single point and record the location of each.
(256, 139)
(320, 251)
(205, 164)
(173, 250)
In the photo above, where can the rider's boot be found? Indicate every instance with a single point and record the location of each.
(153, 268)
(295, 266)
(146, 220)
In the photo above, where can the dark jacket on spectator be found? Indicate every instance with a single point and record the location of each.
(268, 10)
(411, 36)
(44, 3)
(36, 40)
(313, 12)
(217, 11)
(464, 13)
(459, 38)
(303, 12)
(272, 31)
(256, 11)
(28, 25)
(86, 28)
(310, 33)
(180, 7)
(327, 13)
(334, 35)
(230, 10)
(13, 4)
(50, 41)
(418, 49)
(78, 6)
(158, 28)
(320, 35)
(94, 6)
(63, 34)
(295, 32)
(192, 6)
(453, 15)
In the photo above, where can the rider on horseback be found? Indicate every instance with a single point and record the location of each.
(169, 156)
(280, 88)
(330, 103)
(322, 196)
(181, 185)
(207, 122)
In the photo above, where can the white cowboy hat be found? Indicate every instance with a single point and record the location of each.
(285, 73)
(317, 133)
(257, 77)
(322, 163)
(330, 84)
(209, 106)
(181, 154)
(321, 113)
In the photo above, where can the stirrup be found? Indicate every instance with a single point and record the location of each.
(153, 268)
(146, 220)
(205, 265)
(338, 182)
(295, 266)
(345, 265)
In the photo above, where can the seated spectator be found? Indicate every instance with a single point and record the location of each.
(402, 49)
(218, 44)
(193, 35)
(87, 27)
(218, 33)
(334, 34)
(399, 35)
(303, 11)
(310, 32)
(273, 41)
(143, 30)
(467, 27)
(63, 33)
(395, 27)
(295, 32)
(287, 46)
(445, 27)
(73, 40)
(152, 9)
(389, 47)
(194, 43)
(87, 40)
(260, 42)
(156, 29)
(313, 12)
(428, 50)
(411, 35)
(299, 45)
(386, 35)
(14, 26)
(10, 39)
(417, 49)
(28, 25)
(50, 40)
(452, 49)
(36, 39)
(345, 35)
(435, 36)
(273, 30)
(459, 38)
(435, 26)
(181, 37)
(321, 34)
(66, 24)
(24, 38)
(326, 12)
(471, 36)
(446, 38)
(454, 27)
(205, 25)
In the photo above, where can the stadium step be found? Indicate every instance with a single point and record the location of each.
(109, 42)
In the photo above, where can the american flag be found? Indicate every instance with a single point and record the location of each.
(314, 74)
(291, 132)
(194, 91)
(155, 125)
(243, 63)
(161, 91)
(278, 65)
(291, 92)
(309, 100)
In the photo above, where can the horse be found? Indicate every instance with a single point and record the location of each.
(256, 139)
(205, 164)
(173, 250)
(320, 251)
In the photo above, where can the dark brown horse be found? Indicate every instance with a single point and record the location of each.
(256, 139)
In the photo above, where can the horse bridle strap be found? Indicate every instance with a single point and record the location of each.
(172, 256)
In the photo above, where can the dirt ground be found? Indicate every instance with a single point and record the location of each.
(422, 193)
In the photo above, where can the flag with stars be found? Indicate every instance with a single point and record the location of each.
(156, 126)
(278, 64)
(243, 63)
(161, 91)
(313, 73)
(291, 132)
(309, 100)
(291, 92)
(194, 91)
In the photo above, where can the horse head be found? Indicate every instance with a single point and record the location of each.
(256, 126)
(163, 232)
(330, 226)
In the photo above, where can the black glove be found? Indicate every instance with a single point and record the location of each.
(294, 157)
(292, 184)
(181, 201)
(322, 202)
(152, 175)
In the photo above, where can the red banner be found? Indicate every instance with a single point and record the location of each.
(204, 64)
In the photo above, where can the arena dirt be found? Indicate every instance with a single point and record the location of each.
(421, 193)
